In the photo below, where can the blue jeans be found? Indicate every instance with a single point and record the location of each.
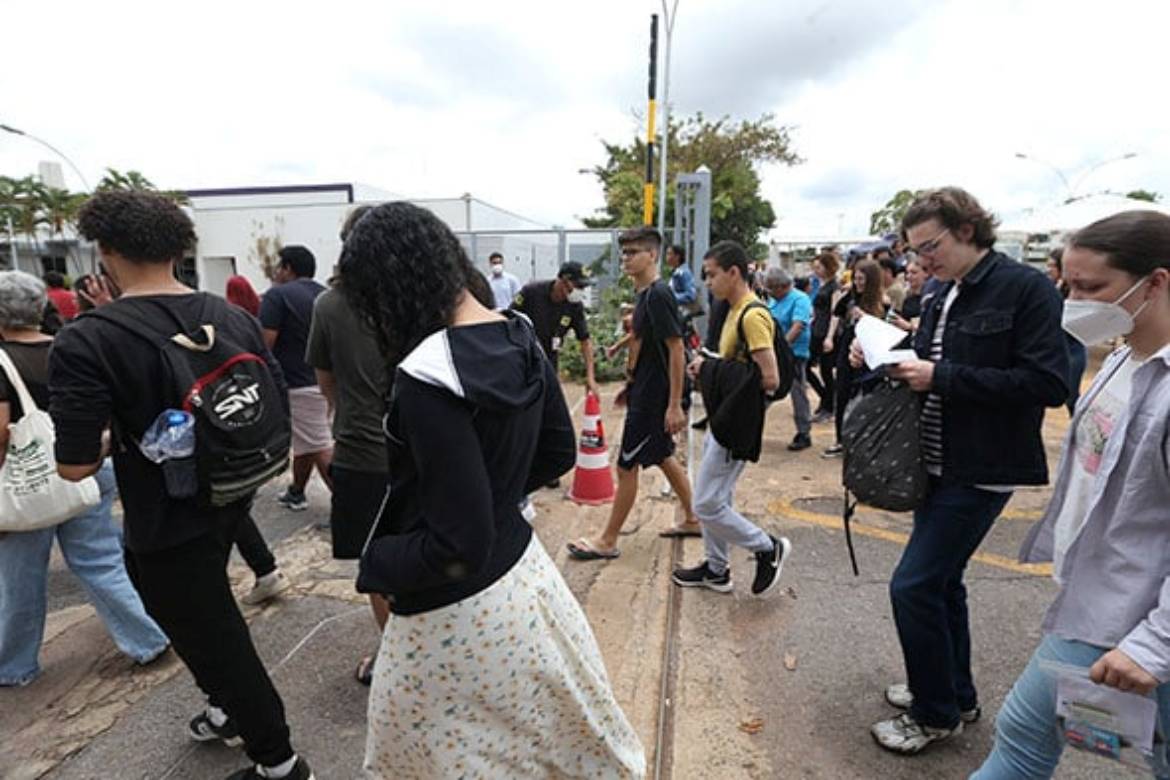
(930, 600)
(1026, 742)
(92, 546)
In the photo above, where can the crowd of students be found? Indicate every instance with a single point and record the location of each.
(432, 410)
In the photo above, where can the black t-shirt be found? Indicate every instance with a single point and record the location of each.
(101, 374)
(551, 320)
(823, 309)
(656, 319)
(288, 309)
(911, 306)
(32, 363)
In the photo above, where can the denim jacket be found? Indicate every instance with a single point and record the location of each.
(1115, 589)
(1004, 360)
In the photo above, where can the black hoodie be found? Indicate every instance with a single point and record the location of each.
(477, 421)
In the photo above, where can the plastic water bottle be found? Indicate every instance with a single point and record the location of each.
(170, 437)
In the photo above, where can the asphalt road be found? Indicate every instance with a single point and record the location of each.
(780, 687)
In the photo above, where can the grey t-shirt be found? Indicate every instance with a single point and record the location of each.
(341, 344)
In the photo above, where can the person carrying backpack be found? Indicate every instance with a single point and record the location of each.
(163, 359)
(991, 357)
(734, 387)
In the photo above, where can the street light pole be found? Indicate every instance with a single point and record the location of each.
(51, 148)
(1098, 166)
(1072, 189)
(1057, 171)
(668, 18)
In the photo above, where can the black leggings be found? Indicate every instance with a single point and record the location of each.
(844, 385)
(187, 592)
(822, 385)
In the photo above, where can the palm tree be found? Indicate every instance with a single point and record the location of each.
(133, 180)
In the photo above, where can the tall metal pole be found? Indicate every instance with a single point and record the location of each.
(12, 243)
(51, 148)
(668, 17)
(648, 186)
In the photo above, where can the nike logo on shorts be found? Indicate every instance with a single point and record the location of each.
(631, 455)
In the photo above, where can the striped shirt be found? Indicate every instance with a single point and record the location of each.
(932, 438)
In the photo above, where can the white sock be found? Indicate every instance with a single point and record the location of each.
(278, 771)
(217, 716)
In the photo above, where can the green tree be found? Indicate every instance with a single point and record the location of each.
(1146, 195)
(888, 219)
(732, 151)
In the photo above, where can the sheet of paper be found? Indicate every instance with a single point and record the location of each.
(878, 339)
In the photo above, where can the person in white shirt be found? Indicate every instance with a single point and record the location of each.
(504, 285)
(1105, 529)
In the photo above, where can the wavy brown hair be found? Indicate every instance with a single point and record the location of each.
(953, 207)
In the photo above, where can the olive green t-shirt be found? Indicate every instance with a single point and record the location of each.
(340, 343)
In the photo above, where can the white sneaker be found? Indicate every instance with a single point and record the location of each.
(905, 735)
(898, 695)
(267, 587)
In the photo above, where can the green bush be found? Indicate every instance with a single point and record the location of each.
(604, 329)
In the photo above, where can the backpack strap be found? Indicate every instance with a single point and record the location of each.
(27, 404)
(741, 345)
(847, 516)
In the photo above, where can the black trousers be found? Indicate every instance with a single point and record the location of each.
(187, 592)
(253, 549)
(822, 385)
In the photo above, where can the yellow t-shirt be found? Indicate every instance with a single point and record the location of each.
(758, 329)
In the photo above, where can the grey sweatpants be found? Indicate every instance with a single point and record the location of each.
(801, 414)
(714, 494)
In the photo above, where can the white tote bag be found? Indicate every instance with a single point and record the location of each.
(32, 495)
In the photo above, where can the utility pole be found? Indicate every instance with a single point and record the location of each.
(668, 18)
(648, 186)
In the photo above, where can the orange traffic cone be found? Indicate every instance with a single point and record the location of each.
(592, 480)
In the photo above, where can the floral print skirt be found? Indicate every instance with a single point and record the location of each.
(508, 683)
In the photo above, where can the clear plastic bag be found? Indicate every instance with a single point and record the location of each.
(1108, 722)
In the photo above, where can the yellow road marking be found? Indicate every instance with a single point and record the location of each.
(785, 508)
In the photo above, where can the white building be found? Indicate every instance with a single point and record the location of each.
(240, 230)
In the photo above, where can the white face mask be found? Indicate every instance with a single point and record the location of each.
(497, 269)
(577, 296)
(1095, 322)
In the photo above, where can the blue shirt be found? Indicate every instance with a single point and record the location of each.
(682, 284)
(794, 307)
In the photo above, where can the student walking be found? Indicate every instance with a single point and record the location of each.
(1105, 528)
(107, 370)
(733, 390)
(991, 357)
(488, 666)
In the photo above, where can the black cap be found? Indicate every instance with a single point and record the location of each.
(575, 274)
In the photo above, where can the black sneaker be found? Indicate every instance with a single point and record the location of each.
(201, 729)
(800, 442)
(300, 771)
(291, 499)
(701, 576)
(769, 564)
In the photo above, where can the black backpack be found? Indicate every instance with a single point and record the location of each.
(785, 358)
(242, 428)
(883, 454)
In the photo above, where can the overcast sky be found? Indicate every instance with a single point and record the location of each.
(509, 99)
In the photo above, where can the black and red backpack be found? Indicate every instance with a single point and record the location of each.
(242, 428)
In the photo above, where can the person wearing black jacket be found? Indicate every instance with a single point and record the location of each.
(734, 399)
(488, 666)
(991, 358)
(103, 376)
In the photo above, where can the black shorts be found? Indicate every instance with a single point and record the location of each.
(357, 504)
(645, 441)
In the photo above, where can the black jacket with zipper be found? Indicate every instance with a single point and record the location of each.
(733, 397)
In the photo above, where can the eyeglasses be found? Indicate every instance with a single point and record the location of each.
(632, 251)
(931, 246)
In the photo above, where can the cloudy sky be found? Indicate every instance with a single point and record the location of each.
(509, 99)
